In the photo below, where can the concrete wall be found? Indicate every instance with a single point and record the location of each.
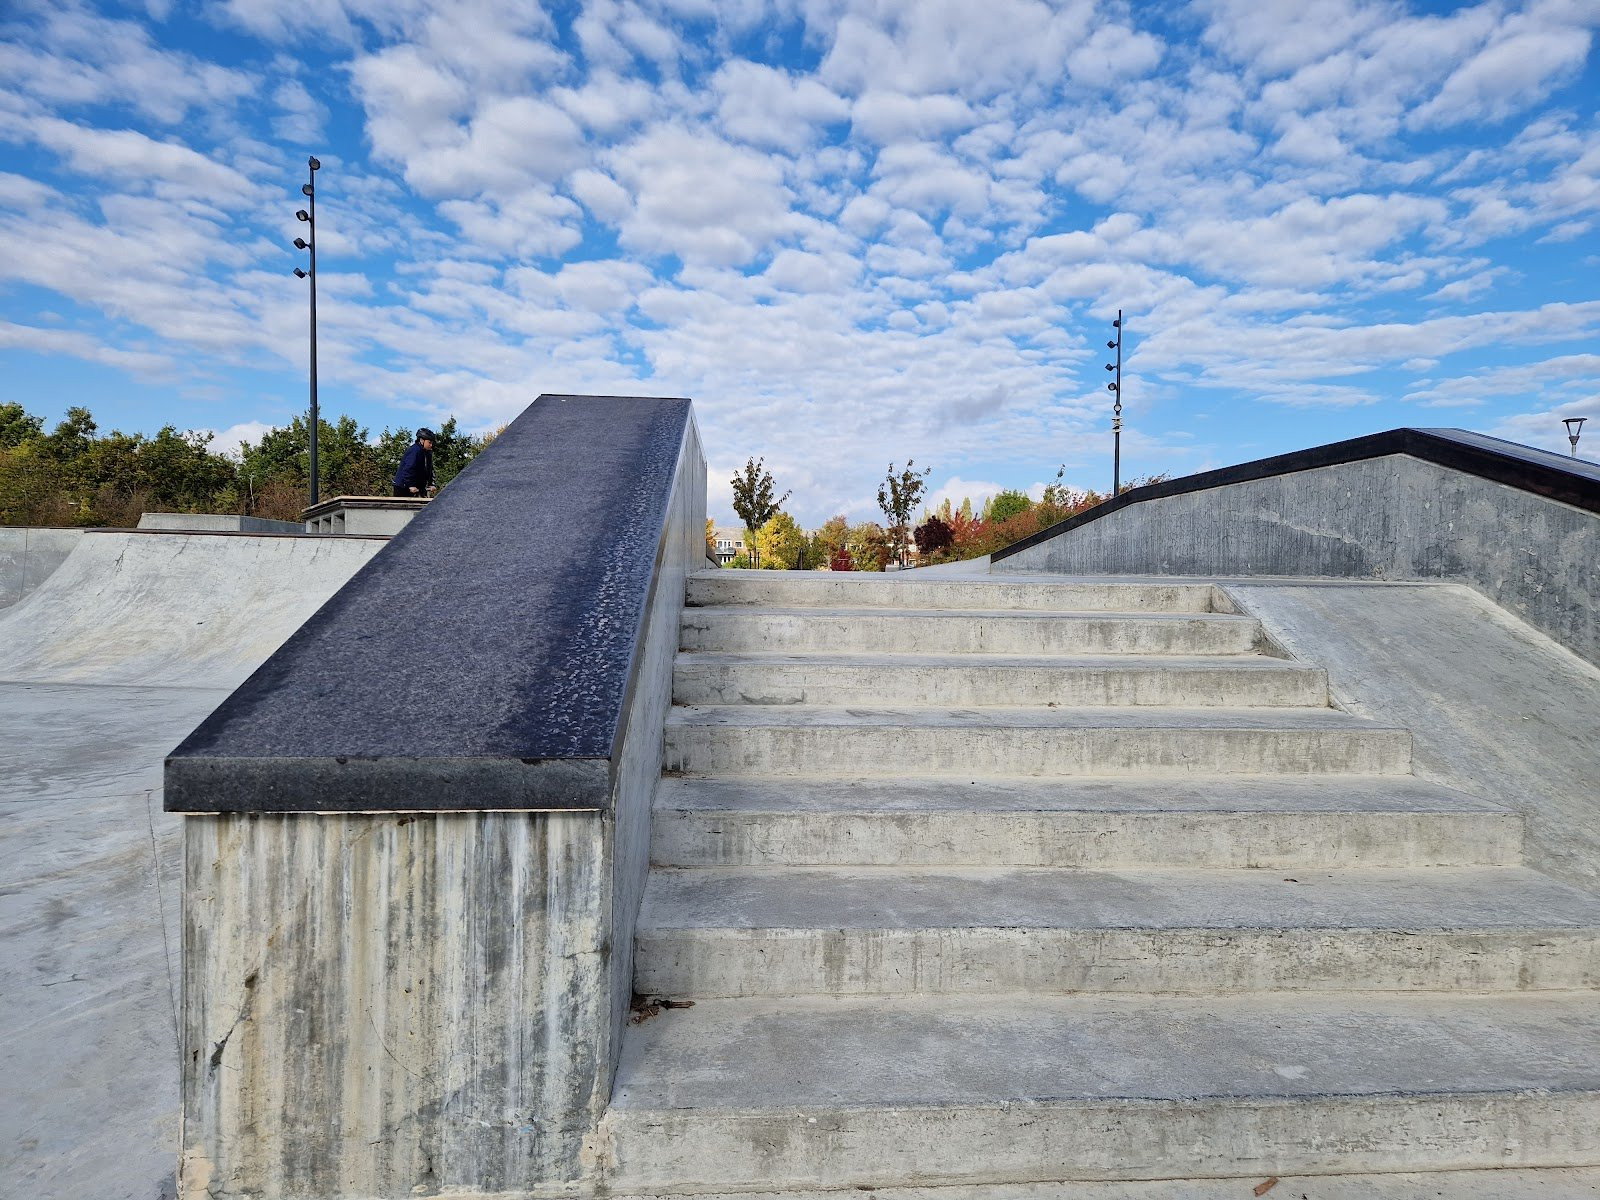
(420, 1004)
(29, 556)
(1395, 517)
(215, 523)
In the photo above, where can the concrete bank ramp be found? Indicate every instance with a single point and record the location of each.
(172, 609)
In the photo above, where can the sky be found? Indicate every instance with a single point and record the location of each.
(852, 231)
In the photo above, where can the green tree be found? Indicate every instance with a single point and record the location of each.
(18, 426)
(780, 543)
(1005, 505)
(868, 545)
(898, 497)
(753, 500)
(827, 542)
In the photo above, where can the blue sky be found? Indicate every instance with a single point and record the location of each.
(854, 231)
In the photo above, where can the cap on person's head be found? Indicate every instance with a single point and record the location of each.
(426, 434)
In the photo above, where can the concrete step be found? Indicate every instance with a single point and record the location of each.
(837, 1093)
(1349, 821)
(827, 589)
(884, 931)
(972, 743)
(1534, 1183)
(949, 679)
(743, 630)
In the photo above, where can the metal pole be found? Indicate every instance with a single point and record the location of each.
(311, 194)
(1115, 388)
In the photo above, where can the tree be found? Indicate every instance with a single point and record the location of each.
(898, 497)
(752, 500)
(841, 561)
(780, 543)
(868, 546)
(711, 539)
(1006, 505)
(18, 426)
(932, 536)
(827, 543)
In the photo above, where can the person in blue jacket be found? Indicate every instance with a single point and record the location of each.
(415, 476)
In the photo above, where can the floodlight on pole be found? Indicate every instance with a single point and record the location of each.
(1574, 431)
(1115, 388)
(309, 191)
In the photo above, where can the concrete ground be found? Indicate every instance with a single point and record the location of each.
(104, 668)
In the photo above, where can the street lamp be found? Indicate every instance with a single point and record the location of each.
(1115, 388)
(1574, 431)
(309, 191)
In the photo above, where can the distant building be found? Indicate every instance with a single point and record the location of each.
(730, 544)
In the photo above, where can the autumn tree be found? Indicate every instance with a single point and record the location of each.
(932, 536)
(780, 543)
(753, 500)
(898, 497)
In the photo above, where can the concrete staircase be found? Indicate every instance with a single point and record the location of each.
(982, 881)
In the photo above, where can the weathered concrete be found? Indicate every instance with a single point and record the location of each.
(905, 589)
(368, 516)
(752, 628)
(1395, 517)
(216, 523)
(171, 609)
(990, 679)
(1549, 1184)
(1285, 822)
(430, 1003)
(769, 740)
(840, 1093)
(1495, 708)
(947, 930)
(28, 556)
(90, 884)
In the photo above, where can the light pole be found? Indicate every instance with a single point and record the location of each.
(310, 218)
(1574, 431)
(1115, 388)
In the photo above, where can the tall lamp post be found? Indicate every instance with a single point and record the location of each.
(310, 218)
(1574, 431)
(1115, 388)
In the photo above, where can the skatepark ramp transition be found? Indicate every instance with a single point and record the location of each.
(160, 609)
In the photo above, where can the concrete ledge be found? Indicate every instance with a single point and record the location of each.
(383, 516)
(29, 556)
(484, 644)
(214, 523)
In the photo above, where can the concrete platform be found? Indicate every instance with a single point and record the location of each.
(847, 1093)
(1350, 821)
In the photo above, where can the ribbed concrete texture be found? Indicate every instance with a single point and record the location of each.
(977, 885)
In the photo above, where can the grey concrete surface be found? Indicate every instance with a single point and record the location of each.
(914, 589)
(970, 743)
(103, 668)
(842, 1093)
(993, 679)
(1395, 517)
(89, 934)
(1348, 821)
(28, 556)
(174, 609)
(751, 628)
(216, 523)
(1495, 708)
(380, 516)
(890, 931)
(1550, 1184)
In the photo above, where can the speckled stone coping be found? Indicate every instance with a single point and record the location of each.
(483, 660)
